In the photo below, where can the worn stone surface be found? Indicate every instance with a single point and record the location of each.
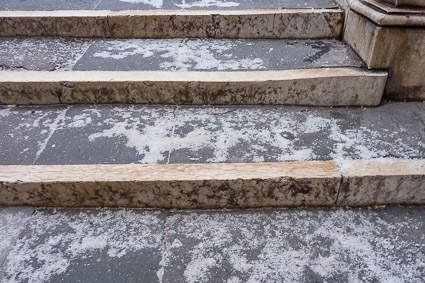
(315, 87)
(12, 222)
(87, 245)
(123, 134)
(292, 24)
(41, 54)
(365, 183)
(48, 5)
(399, 50)
(168, 186)
(255, 24)
(215, 55)
(25, 134)
(296, 246)
(51, 53)
(419, 3)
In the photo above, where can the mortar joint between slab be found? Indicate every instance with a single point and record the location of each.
(341, 181)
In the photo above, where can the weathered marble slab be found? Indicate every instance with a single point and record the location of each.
(382, 182)
(315, 87)
(51, 53)
(278, 23)
(84, 245)
(124, 134)
(174, 185)
(231, 185)
(49, 5)
(419, 3)
(397, 49)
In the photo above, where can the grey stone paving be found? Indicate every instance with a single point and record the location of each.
(50, 53)
(49, 5)
(41, 54)
(122, 134)
(12, 222)
(288, 245)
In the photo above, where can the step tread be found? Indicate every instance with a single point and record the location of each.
(50, 53)
(125, 134)
(291, 245)
(119, 5)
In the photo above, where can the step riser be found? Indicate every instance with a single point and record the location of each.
(357, 183)
(317, 87)
(291, 24)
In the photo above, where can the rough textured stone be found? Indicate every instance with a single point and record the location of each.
(301, 24)
(399, 50)
(419, 3)
(377, 182)
(168, 186)
(317, 87)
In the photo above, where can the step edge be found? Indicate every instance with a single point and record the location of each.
(189, 76)
(109, 13)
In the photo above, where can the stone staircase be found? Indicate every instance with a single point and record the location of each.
(116, 105)
(256, 66)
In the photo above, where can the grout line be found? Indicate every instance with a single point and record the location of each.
(172, 133)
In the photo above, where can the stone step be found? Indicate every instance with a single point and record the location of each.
(279, 245)
(212, 157)
(185, 71)
(172, 18)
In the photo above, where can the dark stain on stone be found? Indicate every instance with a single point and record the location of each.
(322, 48)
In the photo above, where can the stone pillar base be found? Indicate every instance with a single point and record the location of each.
(394, 42)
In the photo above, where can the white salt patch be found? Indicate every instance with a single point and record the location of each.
(182, 55)
(155, 3)
(79, 121)
(259, 135)
(287, 245)
(46, 251)
(5, 112)
(207, 3)
(51, 128)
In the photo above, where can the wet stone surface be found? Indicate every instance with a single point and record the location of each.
(49, 54)
(48, 5)
(123, 134)
(290, 245)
